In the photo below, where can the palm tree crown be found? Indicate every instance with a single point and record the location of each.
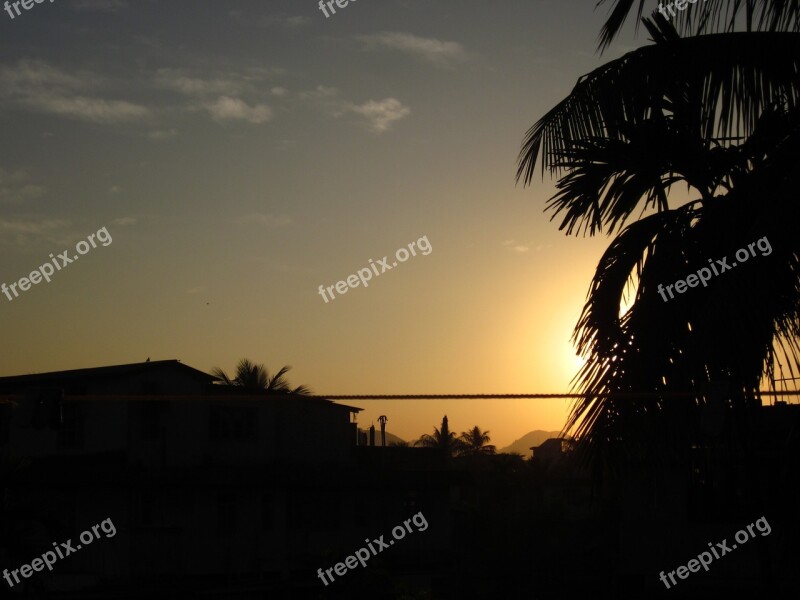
(476, 441)
(720, 112)
(710, 16)
(255, 377)
(443, 438)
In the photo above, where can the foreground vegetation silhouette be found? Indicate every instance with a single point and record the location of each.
(712, 103)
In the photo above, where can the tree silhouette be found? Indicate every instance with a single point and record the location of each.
(476, 441)
(710, 16)
(443, 439)
(255, 377)
(719, 113)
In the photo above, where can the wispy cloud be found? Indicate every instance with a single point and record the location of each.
(380, 114)
(523, 247)
(296, 21)
(264, 219)
(96, 110)
(31, 77)
(24, 230)
(179, 81)
(435, 51)
(38, 86)
(321, 92)
(270, 264)
(227, 108)
(230, 83)
(16, 187)
(32, 226)
(162, 134)
(280, 19)
(515, 246)
(98, 5)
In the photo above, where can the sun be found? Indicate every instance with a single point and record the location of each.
(575, 364)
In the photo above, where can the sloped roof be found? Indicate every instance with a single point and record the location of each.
(220, 392)
(103, 372)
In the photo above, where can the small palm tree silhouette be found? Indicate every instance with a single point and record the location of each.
(255, 377)
(443, 438)
(476, 441)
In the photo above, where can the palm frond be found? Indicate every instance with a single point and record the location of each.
(219, 373)
(256, 377)
(709, 16)
(726, 333)
(617, 17)
(721, 82)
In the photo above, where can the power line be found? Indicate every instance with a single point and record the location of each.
(532, 396)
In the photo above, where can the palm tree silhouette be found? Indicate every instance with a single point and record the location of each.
(255, 377)
(443, 439)
(710, 17)
(476, 441)
(718, 112)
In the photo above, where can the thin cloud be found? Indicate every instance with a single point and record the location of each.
(275, 20)
(22, 231)
(380, 114)
(32, 227)
(522, 247)
(227, 108)
(437, 52)
(95, 110)
(38, 86)
(16, 187)
(31, 77)
(98, 5)
(162, 134)
(179, 81)
(230, 83)
(296, 21)
(264, 219)
(320, 93)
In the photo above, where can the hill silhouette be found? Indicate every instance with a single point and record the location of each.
(389, 437)
(532, 438)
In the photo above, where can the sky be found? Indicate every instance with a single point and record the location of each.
(241, 154)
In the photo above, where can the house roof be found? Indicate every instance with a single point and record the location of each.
(218, 392)
(103, 372)
(551, 442)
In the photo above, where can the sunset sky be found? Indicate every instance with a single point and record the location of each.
(243, 153)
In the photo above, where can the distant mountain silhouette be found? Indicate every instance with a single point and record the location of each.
(389, 437)
(532, 438)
